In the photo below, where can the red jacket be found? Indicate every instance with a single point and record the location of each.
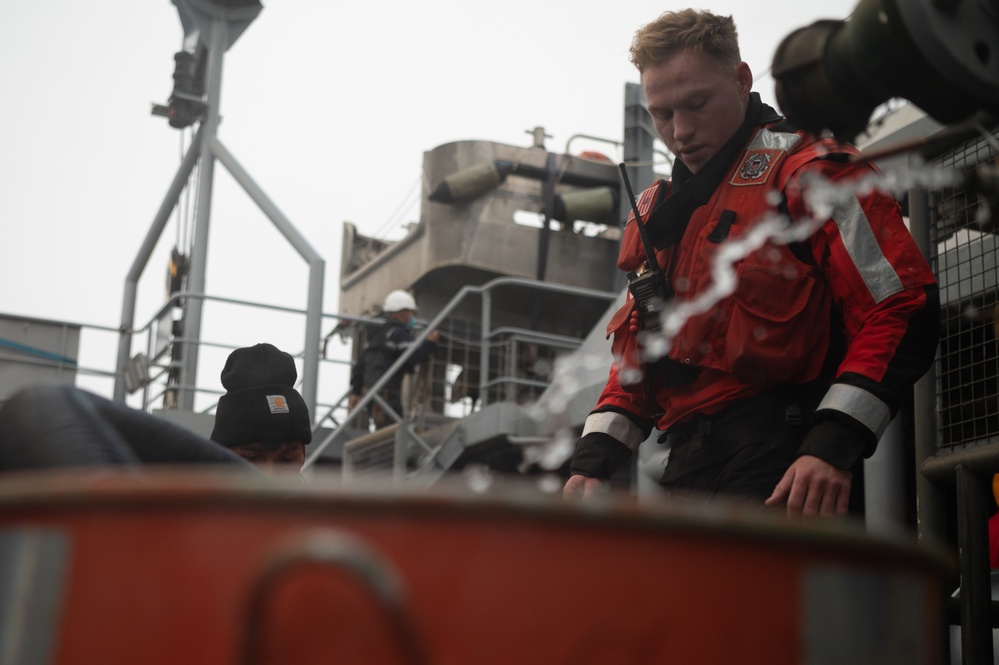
(766, 316)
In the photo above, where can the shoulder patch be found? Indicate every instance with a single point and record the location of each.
(757, 165)
(646, 200)
(765, 151)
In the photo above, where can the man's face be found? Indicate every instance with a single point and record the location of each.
(697, 103)
(273, 457)
(405, 315)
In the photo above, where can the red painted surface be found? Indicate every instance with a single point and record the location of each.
(167, 568)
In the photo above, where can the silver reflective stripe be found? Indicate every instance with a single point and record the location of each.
(33, 566)
(618, 426)
(863, 248)
(859, 404)
(767, 140)
(856, 613)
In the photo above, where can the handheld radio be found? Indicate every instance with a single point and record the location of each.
(651, 288)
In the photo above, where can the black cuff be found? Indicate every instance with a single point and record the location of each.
(840, 441)
(598, 455)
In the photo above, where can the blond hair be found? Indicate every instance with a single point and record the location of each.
(701, 31)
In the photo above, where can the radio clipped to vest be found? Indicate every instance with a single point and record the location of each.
(650, 288)
(651, 291)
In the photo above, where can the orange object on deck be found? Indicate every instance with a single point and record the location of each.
(171, 567)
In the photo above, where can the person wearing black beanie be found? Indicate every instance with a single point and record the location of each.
(262, 418)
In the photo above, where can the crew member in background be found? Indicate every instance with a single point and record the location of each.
(262, 418)
(384, 347)
(779, 389)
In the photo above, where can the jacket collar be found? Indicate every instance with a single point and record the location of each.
(668, 219)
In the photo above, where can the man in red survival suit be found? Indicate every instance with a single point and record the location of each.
(789, 360)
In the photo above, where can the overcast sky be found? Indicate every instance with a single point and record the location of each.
(328, 105)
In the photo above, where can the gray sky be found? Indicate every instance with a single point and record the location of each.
(328, 105)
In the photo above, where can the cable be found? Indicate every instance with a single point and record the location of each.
(401, 210)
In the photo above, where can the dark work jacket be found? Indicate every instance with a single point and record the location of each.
(388, 342)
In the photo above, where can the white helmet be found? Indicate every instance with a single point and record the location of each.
(396, 301)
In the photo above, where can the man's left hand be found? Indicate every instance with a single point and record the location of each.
(812, 486)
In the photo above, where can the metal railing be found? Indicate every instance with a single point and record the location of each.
(491, 377)
(152, 361)
(510, 364)
(66, 357)
(957, 402)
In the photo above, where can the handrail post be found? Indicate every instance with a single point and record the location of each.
(486, 320)
(199, 251)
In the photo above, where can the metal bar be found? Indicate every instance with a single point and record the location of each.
(60, 360)
(534, 337)
(941, 467)
(639, 142)
(266, 205)
(548, 201)
(64, 342)
(512, 364)
(125, 330)
(932, 514)
(34, 564)
(199, 251)
(329, 414)
(525, 170)
(617, 144)
(486, 322)
(530, 383)
(338, 553)
(248, 303)
(78, 370)
(884, 482)
(976, 589)
(399, 454)
(317, 269)
(397, 418)
(411, 432)
(184, 295)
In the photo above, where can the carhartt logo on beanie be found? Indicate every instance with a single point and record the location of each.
(278, 404)
(261, 405)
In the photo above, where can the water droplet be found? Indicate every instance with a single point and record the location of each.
(558, 452)
(478, 477)
(550, 483)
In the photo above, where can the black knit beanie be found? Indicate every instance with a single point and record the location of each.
(261, 405)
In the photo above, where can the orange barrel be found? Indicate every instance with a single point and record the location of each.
(216, 568)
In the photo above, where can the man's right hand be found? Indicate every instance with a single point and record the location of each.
(580, 488)
(813, 487)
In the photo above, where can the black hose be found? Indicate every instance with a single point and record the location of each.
(53, 425)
